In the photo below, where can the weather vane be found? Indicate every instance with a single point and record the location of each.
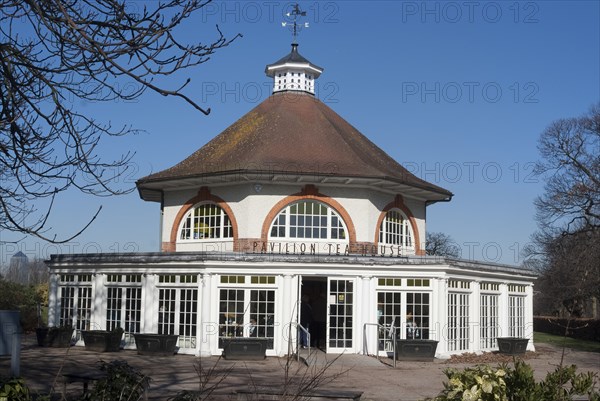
(295, 25)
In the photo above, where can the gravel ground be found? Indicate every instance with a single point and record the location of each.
(377, 380)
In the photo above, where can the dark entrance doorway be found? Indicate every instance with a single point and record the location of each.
(316, 290)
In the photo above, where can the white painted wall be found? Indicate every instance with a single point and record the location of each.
(286, 286)
(251, 208)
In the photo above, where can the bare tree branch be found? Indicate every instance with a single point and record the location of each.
(570, 149)
(570, 272)
(53, 52)
(566, 250)
(440, 244)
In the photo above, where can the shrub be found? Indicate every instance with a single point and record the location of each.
(122, 382)
(25, 299)
(565, 382)
(582, 329)
(520, 382)
(14, 389)
(477, 383)
(483, 383)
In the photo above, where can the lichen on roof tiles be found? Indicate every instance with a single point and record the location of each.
(292, 129)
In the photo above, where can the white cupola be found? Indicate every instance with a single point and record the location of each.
(293, 73)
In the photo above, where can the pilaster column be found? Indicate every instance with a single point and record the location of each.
(368, 308)
(474, 320)
(53, 301)
(439, 314)
(288, 314)
(209, 327)
(149, 322)
(503, 321)
(529, 316)
(98, 310)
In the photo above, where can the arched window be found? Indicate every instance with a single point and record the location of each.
(395, 229)
(206, 221)
(308, 220)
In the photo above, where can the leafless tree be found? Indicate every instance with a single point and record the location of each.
(570, 150)
(53, 52)
(440, 244)
(566, 249)
(570, 273)
(27, 272)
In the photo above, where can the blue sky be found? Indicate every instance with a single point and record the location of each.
(458, 92)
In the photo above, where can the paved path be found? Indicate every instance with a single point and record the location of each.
(378, 380)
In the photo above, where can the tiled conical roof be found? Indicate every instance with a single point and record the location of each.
(291, 137)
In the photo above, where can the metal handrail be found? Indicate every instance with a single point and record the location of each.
(385, 330)
(305, 330)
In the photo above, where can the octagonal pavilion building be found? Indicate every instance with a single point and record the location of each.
(292, 202)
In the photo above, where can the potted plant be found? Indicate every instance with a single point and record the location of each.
(156, 344)
(512, 345)
(103, 340)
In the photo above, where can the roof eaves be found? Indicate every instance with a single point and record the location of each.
(267, 175)
(272, 68)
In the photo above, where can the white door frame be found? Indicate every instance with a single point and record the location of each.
(341, 308)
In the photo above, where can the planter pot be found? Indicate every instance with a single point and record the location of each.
(245, 348)
(42, 334)
(59, 337)
(156, 344)
(415, 350)
(102, 340)
(512, 345)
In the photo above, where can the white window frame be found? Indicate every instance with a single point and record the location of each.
(397, 233)
(178, 307)
(489, 322)
(235, 312)
(341, 312)
(412, 291)
(75, 296)
(285, 217)
(126, 301)
(225, 227)
(389, 315)
(458, 321)
(516, 315)
(421, 312)
(178, 314)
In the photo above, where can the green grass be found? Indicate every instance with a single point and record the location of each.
(560, 341)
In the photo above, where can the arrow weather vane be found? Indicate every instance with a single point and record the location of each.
(295, 25)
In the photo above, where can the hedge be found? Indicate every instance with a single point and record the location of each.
(582, 329)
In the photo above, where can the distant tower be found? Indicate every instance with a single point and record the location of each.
(18, 269)
(19, 260)
(293, 72)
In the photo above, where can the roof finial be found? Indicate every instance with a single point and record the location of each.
(295, 26)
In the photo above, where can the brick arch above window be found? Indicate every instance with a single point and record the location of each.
(204, 195)
(308, 193)
(398, 203)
